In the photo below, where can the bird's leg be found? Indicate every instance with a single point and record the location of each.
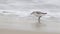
(39, 19)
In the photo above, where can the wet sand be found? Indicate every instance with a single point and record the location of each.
(13, 25)
(6, 31)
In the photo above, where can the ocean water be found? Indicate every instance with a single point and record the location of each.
(16, 14)
(23, 8)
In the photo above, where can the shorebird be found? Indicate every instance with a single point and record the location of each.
(38, 14)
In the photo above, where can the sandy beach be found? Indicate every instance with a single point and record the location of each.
(27, 25)
(6, 31)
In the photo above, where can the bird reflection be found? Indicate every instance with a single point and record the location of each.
(36, 25)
